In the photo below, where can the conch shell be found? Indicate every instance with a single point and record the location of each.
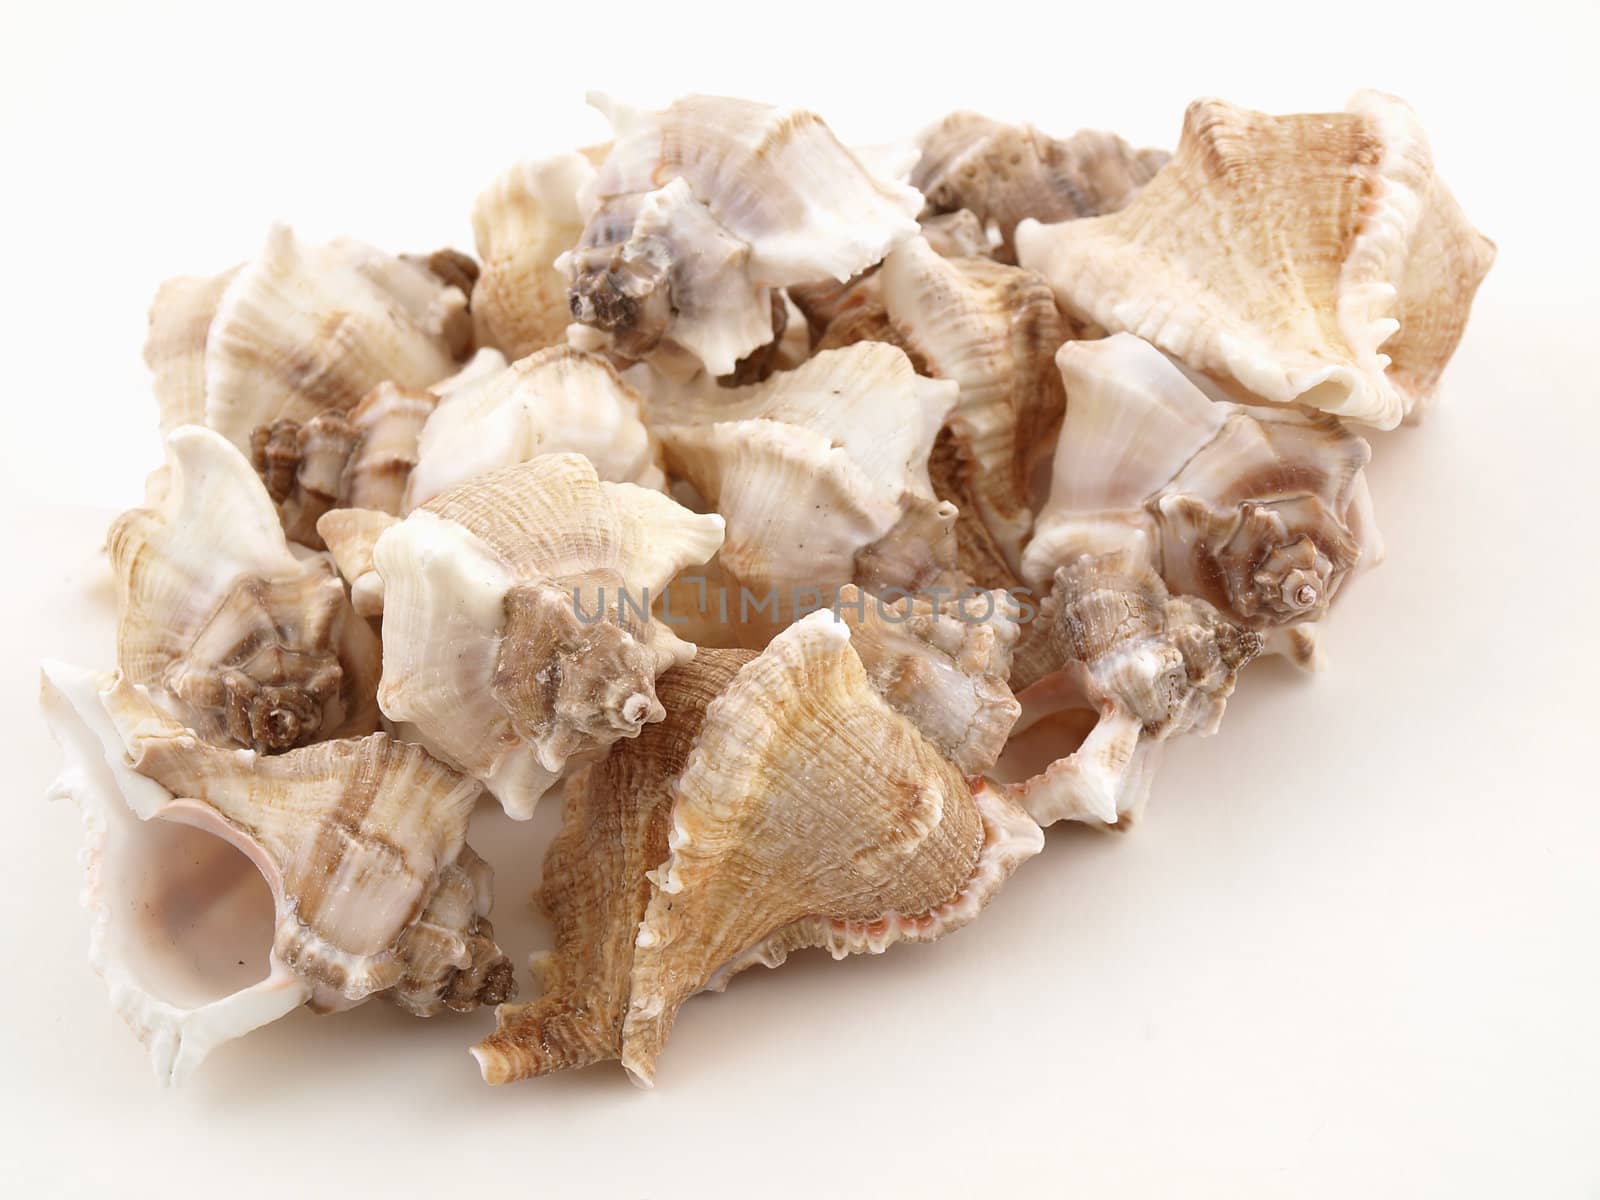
(801, 789)
(1314, 259)
(809, 813)
(1003, 173)
(1264, 512)
(705, 207)
(362, 459)
(595, 887)
(526, 219)
(1148, 664)
(555, 400)
(361, 845)
(821, 473)
(516, 618)
(994, 329)
(249, 642)
(304, 329)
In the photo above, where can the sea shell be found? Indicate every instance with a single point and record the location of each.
(595, 887)
(993, 329)
(1003, 173)
(703, 208)
(357, 460)
(516, 618)
(1148, 664)
(304, 329)
(175, 348)
(1313, 259)
(361, 845)
(821, 474)
(526, 219)
(249, 642)
(360, 459)
(558, 399)
(1263, 512)
(809, 813)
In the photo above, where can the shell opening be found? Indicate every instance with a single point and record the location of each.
(199, 915)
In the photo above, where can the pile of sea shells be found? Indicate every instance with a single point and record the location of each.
(813, 524)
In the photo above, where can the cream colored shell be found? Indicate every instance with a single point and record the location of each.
(821, 474)
(860, 833)
(361, 846)
(523, 222)
(303, 329)
(1314, 259)
(942, 666)
(249, 641)
(555, 400)
(516, 626)
(1148, 665)
(1264, 512)
(994, 330)
(595, 886)
(701, 209)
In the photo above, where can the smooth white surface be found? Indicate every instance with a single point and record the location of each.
(1351, 951)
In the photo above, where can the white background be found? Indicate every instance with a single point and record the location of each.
(1353, 948)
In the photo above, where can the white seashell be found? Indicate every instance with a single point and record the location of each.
(428, 289)
(1148, 665)
(526, 219)
(370, 886)
(516, 626)
(1263, 512)
(701, 209)
(247, 641)
(304, 329)
(1313, 259)
(556, 400)
(821, 474)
